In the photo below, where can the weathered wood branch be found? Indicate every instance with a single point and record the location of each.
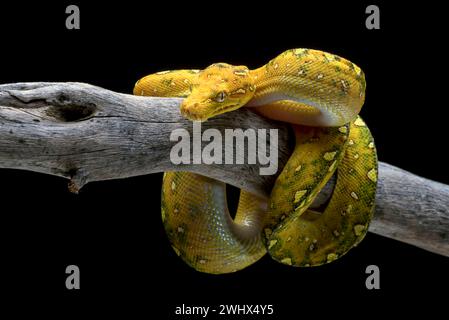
(86, 133)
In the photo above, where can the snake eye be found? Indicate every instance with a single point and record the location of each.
(220, 97)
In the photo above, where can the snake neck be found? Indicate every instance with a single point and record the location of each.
(310, 78)
(269, 88)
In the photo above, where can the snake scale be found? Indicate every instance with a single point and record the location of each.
(320, 95)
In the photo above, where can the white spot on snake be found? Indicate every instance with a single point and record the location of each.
(299, 51)
(154, 90)
(195, 71)
(372, 175)
(186, 81)
(240, 72)
(307, 265)
(343, 129)
(311, 247)
(307, 239)
(336, 233)
(359, 122)
(354, 195)
(163, 72)
(173, 186)
(272, 243)
(163, 214)
(329, 156)
(331, 257)
(371, 145)
(356, 156)
(180, 229)
(142, 93)
(202, 261)
(319, 76)
(344, 84)
(315, 241)
(298, 195)
(287, 261)
(351, 142)
(176, 210)
(358, 229)
(298, 168)
(275, 66)
(289, 239)
(301, 72)
(242, 91)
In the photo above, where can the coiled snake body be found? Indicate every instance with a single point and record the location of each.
(320, 94)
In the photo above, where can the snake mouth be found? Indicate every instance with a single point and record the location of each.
(224, 109)
(193, 114)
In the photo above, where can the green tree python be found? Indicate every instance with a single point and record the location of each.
(320, 95)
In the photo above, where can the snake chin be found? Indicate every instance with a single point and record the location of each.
(194, 112)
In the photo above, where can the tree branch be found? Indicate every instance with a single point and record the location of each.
(86, 133)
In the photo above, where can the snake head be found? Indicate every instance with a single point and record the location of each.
(218, 89)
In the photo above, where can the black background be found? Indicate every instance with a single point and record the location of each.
(113, 231)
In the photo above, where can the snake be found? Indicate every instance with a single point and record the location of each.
(320, 95)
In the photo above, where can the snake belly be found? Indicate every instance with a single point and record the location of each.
(320, 94)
